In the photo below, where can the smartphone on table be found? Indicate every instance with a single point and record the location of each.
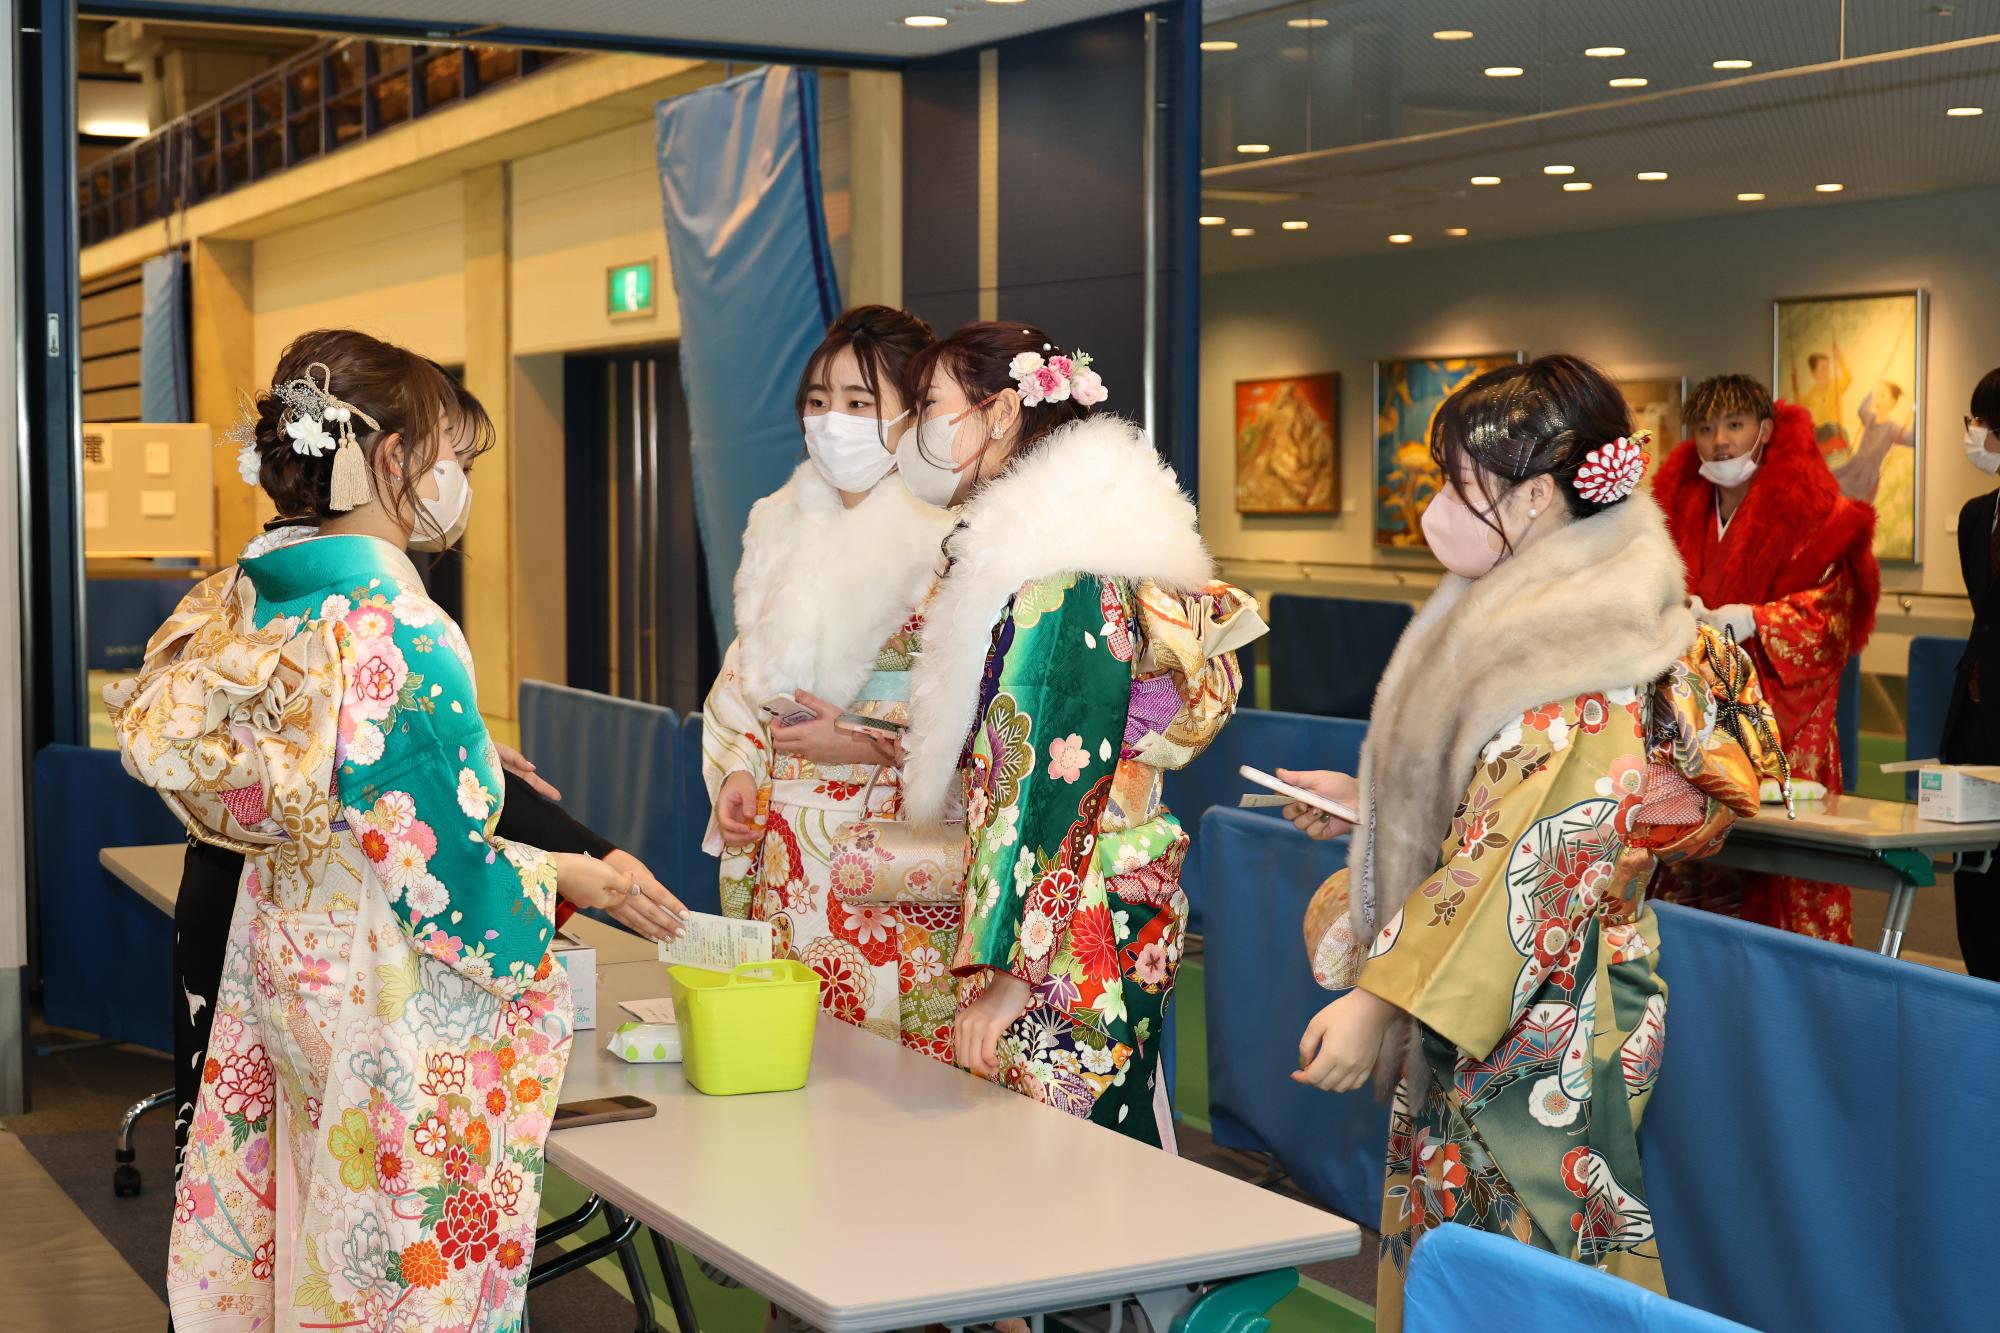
(1289, 794)
(601, 1111)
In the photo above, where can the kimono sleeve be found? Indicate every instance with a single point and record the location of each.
(1805, 634)
(734, 739)
(1044, 752)
(1475, 941)
(421, 787)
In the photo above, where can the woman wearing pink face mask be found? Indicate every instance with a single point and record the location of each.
(1530, 758)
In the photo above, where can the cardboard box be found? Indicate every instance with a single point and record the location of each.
(580, 960)
(1959, 793)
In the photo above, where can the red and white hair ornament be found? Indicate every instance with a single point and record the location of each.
(1612, 471)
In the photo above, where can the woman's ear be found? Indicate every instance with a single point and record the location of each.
(389, 456)
(1007, 408)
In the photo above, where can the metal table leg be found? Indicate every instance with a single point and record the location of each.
(677, 1287)
(1897, 921)
(1913, 871)
(125, 1176)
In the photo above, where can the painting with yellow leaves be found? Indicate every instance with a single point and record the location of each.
(1288, 445)
(1408, 394)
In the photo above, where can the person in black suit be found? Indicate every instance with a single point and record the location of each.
(1972, 727)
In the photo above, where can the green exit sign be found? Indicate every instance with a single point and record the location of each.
(629, 291)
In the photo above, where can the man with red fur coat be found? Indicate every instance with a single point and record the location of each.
(1775, 552)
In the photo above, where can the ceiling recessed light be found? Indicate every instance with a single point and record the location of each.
(1830, 187)
(1652, 175)
(1242, 231)
(1603, 52)
(1218, 46)
(1750, 197)
(1295, 224)
(925, 21)
(1485, 180)
(1306, 23)
(1559, 169)
(1451, 35)
(1456, 231)
(1400, 238)
(1504, 71)
(1211, 220)
(1576, 187)
(1628, 83)
(1966, 111)
(1253, 148)
(1733, 64)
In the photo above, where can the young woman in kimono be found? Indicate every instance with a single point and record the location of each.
(1077, 646)
(1551, 727)
(390, 1031)
(835, 565)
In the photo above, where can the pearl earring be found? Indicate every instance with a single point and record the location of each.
(996, 432)
(1534, 513)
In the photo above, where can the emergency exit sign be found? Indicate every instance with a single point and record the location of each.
(630, 291)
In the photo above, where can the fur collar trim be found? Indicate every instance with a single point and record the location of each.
(1597, 605)
(1095, 498)
(822, 587)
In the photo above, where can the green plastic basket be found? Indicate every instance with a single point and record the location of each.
(750, 1030)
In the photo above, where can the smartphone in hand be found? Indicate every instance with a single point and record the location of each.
(785, 711)
(1299, 794)
(874, 726)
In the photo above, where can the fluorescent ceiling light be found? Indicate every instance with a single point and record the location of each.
(1452, 35)
(1652, 175)
(1295, 224)
(1400, 238)
(1456, 231)
(1485, 180)
(1750, 197)
(1253, 148)
(1604, 52)
(1504, 71)
(1966, 111)
(115, 129)
(1576, 187)
(1306, 23)
(1733, 64)
(1559, 169)
(1628, 83)
(1211, 220)
(925, 21)
(1830, 187)
(1218, 46)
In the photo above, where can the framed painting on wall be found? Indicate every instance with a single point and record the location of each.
(1655, 405)
(1288, 445)
(1408, 393)
(1856, 363)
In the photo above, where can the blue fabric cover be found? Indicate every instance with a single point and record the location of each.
(739, 178)
(1933, 671)
(1327, 654)
(106, 953)
(1802, 1147)
(1465, 1279)
(166, 368)
(1847, 722)
(614, 762)
(120, 615)
(1261, 994)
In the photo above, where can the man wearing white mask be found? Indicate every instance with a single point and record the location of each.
(1777, 555)
(1972, 727)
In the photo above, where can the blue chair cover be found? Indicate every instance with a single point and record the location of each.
(106, 953)
(120, 615)
(1465, 1279)
(1847, 721)
(1261, 738)
(1802, 1147)
(614, 761)
(1260, 996)
(1327, 654)
(1933, 669)
(698, 885)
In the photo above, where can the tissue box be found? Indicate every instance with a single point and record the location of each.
(580, 961)
(646, 1043)
(1959, 794)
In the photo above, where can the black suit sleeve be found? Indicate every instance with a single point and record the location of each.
(532, 818)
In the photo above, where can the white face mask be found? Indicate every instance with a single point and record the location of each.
(933, 482)
(444, 518)
(848, 450)
(1975, 449)
(1730, 473)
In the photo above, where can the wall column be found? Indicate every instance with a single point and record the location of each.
(225, 370)
(489, 545)
(875, 110)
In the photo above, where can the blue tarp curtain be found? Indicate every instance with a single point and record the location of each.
(165, 391)
(746, 240)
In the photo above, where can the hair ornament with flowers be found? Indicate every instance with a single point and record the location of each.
(1057, 378)
(315, 421)
(1611, 471)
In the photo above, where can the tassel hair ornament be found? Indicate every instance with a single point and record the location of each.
(316, 421)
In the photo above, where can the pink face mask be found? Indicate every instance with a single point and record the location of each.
(1457, 536)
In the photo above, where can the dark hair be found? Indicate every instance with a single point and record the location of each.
(1538, 419)
(1816, 360)
(1727, 396)
(1986, 400)
(979, 359)
(883, 339)
(1895, 390)
(410, 397)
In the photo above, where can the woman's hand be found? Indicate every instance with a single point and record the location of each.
(1340, 1045)
(736, 811)
(975, 1037)
(516, 763)
(1340, 788)
(651, 912)
(822, 740)
(589, 882)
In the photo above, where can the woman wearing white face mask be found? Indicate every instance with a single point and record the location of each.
(1493, 924)
(835, 564)
(1972, 727)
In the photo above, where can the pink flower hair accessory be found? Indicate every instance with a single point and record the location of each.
(1057, 378)
(1612, 471)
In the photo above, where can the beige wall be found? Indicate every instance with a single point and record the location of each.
(1690, 298)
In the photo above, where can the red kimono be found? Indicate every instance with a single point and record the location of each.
(1799, 553)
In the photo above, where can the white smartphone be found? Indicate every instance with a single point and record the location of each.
(786, 711)
(876, 726)
(1299, 794)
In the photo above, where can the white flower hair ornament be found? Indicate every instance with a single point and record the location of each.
(315, 421)
(1057, 378)
(1610, 472)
